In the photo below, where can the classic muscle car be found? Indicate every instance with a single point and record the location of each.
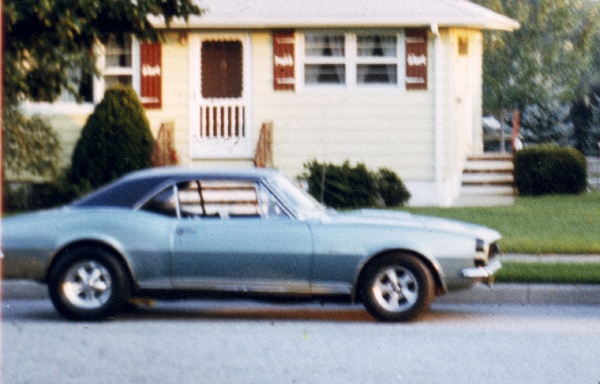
(248, 232)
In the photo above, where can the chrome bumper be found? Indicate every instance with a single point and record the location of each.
(482, 272)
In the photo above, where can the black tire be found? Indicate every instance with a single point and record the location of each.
(88, 283)
(397, 287)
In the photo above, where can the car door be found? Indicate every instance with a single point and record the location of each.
(234, 236)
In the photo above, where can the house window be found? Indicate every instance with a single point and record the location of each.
(325, 59)
(118, 62)
(377, 59)
(352, 59)
(83, 82)
(124, 61)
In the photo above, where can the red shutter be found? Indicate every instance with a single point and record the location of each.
(283, 61)
(416, 59)
(151, 75)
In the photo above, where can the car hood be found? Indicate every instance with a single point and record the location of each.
(401, 218)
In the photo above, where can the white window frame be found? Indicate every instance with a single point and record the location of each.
(133, 71)
(351, 60)
(326, 60)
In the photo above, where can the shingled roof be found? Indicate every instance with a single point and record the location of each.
(270, 14)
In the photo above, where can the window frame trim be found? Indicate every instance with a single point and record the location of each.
(351, 60)
(99, 84)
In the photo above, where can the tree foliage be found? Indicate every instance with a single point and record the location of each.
(546, 123)
(45, 40)
(592, 142)
(547, 60)
(115, 140)
(29, 144)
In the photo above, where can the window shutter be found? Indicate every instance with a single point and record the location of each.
(151, 75)
(283, 61)
(416, 59)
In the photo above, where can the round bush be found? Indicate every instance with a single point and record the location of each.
(344, 186)
(548, 169)
(391, 188)
(115, 140)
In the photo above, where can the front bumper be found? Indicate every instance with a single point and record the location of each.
(485, 273)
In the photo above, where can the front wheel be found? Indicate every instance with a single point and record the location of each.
(88, 283)
(397, 287)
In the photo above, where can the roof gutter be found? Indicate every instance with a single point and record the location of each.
(211, 23)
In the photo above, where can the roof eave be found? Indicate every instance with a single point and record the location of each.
(200, 23)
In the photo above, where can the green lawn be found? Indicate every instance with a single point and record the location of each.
(565, 224)
(549, 272)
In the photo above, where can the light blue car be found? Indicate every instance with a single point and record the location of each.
(246, 232)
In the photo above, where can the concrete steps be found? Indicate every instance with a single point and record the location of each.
(487, 180)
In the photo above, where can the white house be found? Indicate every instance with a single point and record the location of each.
(394, 83)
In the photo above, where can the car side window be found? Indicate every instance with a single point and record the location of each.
(269, 205)
(227, 199)
(163, 203)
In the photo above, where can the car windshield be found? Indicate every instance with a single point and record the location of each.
(301, 202)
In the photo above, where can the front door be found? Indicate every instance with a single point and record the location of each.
(220, 113)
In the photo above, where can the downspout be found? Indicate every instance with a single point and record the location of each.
(437, 118)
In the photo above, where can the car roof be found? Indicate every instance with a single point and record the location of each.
(135, 187)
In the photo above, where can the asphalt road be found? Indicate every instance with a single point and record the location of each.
(461, 341)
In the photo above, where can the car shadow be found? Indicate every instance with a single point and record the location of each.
(247, 310)
(327, 312)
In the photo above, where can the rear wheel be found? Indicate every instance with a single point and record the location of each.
(88, 283)
(397, 287)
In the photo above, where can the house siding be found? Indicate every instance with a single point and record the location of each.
(69, 132)
(378, 128)
(176, 92)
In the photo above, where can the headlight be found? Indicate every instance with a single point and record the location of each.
(481, 250)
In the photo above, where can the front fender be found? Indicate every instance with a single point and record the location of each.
(342, 251)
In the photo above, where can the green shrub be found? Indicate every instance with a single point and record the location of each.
(550, 170)
(28, 196)
(59, 191)
(115, 140)
(391, 188)
(344, 186)
(16, 197)
(30, 146)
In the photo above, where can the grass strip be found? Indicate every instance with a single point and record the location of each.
(565, 224)
(549, 272)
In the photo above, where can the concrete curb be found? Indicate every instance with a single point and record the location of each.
(523, 294)
(480, 294)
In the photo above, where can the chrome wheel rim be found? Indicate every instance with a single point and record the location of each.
(395, 289)
(87, 285)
